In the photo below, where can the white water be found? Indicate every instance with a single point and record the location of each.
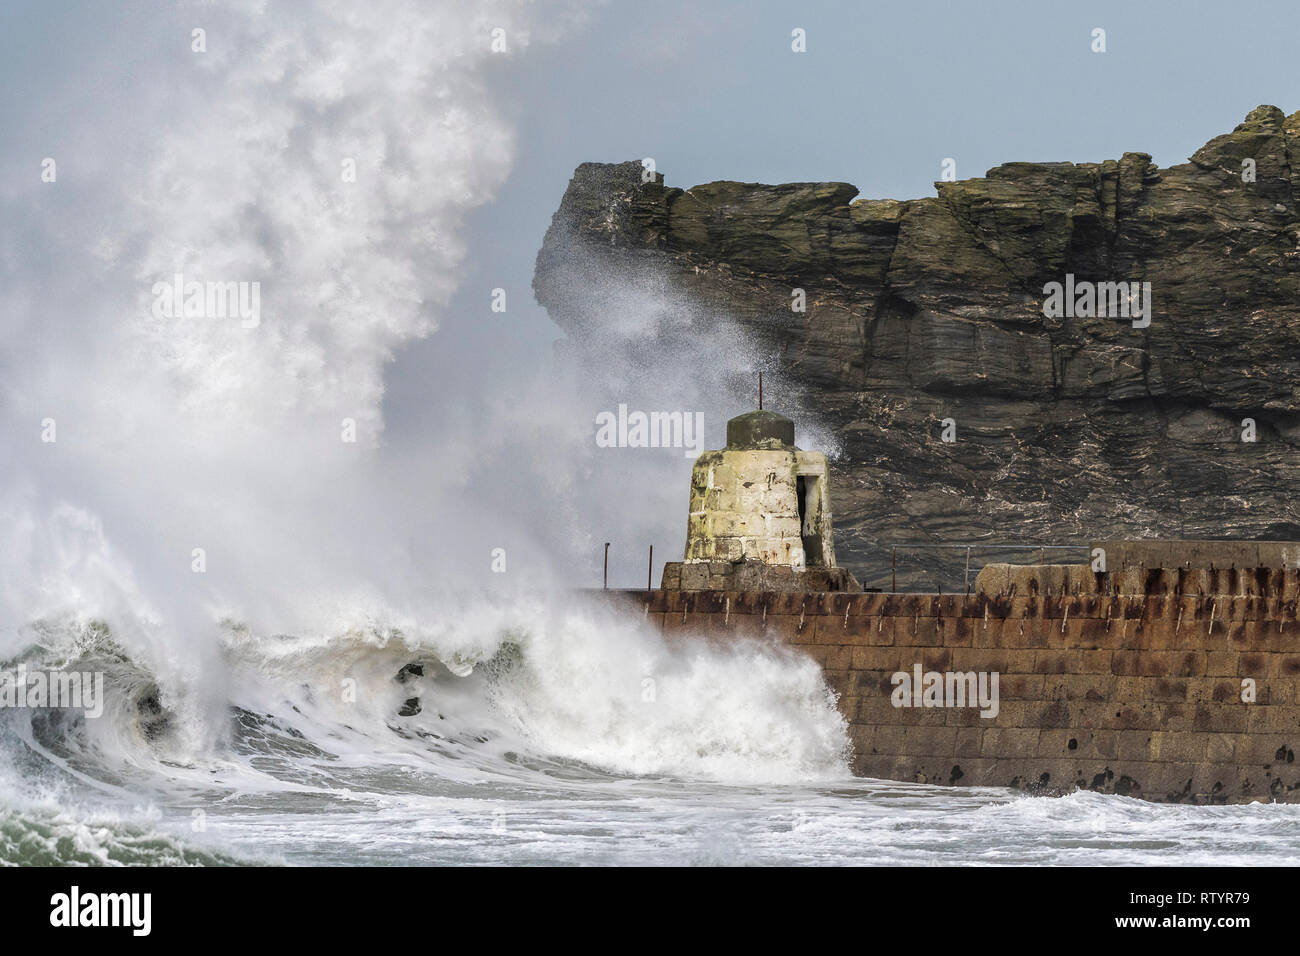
(522, 707)
(550, 750)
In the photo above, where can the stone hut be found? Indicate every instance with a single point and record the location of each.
(760, 515)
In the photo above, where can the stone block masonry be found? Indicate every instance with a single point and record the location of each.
(1187, 697)
(754, 576)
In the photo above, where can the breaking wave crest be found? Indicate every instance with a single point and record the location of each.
(515, 697)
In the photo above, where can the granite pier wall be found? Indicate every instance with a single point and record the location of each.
(1183, 690)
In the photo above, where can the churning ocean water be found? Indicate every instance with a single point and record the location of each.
(570, 736)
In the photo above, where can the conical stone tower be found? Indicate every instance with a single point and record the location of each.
(760, 515)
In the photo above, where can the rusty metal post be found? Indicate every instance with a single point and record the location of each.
(606, 585)
(968, 572)
(893, 572)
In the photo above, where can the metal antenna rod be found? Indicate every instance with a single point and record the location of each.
(760, 389)
(606, 565)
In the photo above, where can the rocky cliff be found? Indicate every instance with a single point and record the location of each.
(1067, 428)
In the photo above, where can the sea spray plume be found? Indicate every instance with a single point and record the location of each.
(595, 686)
(635, 324)
(215, 453)
(637, 337)
(529, 464)
(328, 153)
(334, 160)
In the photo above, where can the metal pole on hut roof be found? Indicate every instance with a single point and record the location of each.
(760, 389)
(606, 585)
(650, 568)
